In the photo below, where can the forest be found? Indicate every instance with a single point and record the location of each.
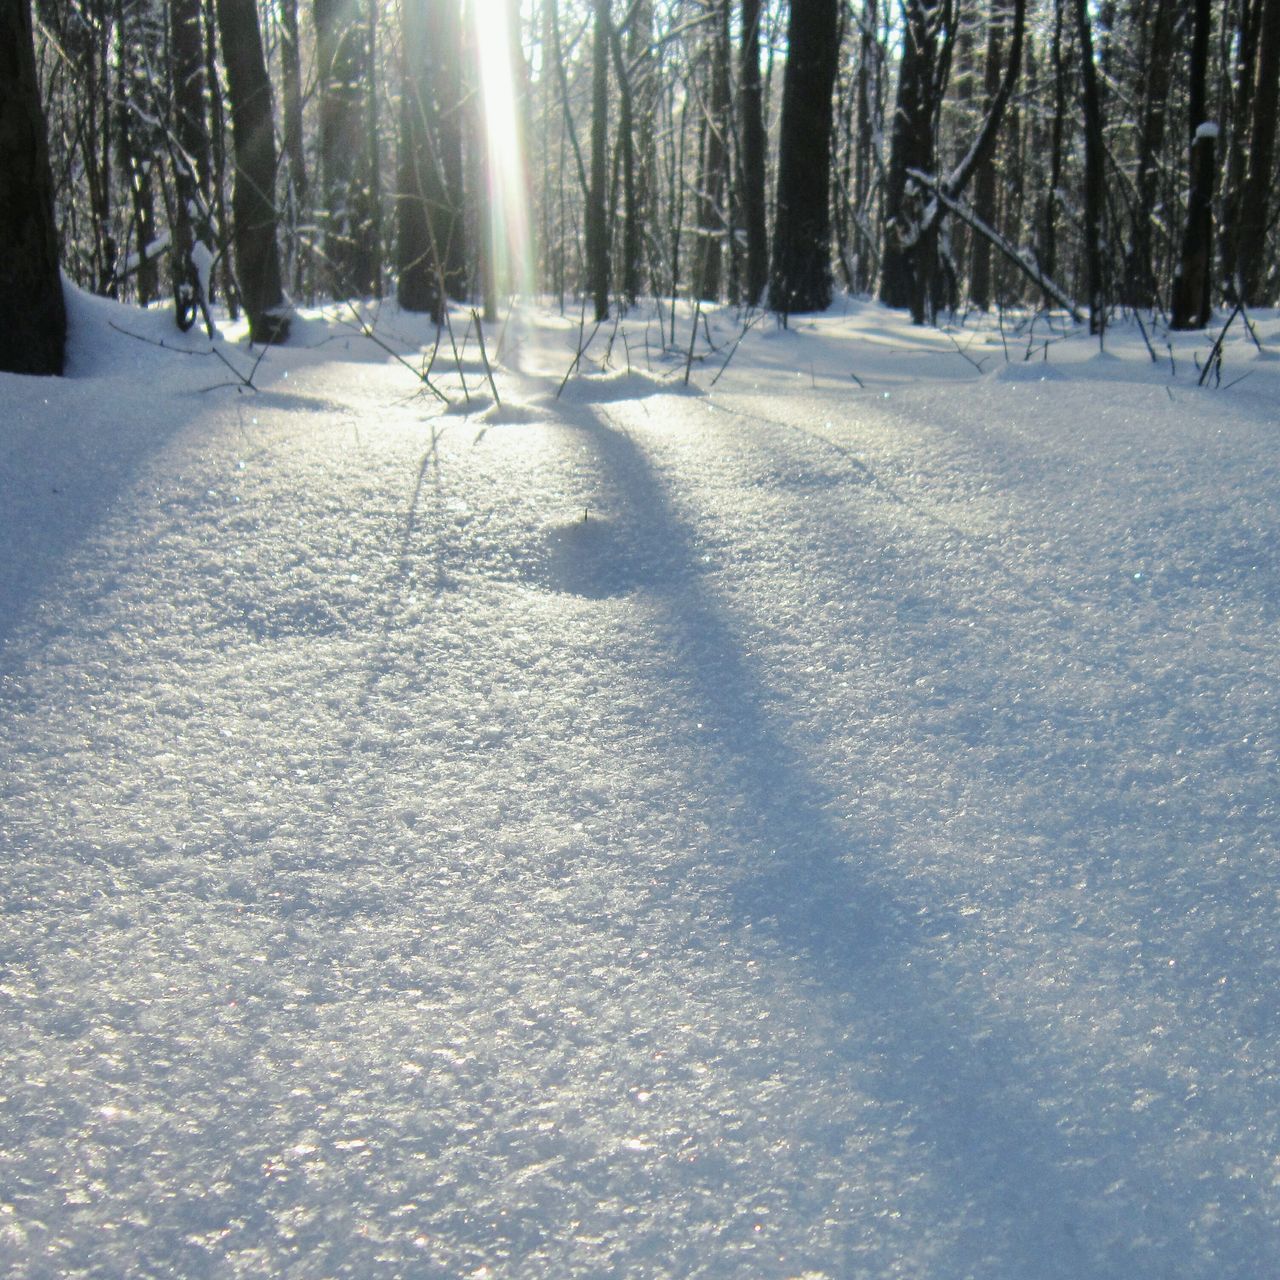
(939, 155)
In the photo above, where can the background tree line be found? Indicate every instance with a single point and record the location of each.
(939, 154)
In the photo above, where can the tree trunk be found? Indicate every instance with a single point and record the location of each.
(1259, 192)
(344, 64)
(1155, 69)
(911, 147)
(984, 183)
(1192, 286)
(191, 223)
(253, 209)
(800, 275)
(870, 122)
(631, 227)
(597, 220)
(421, 186)
(713, 193)
(449, 220)
(291, 102)
(754, 212)
(1094, 192)
(33, 321)
(1049, 209)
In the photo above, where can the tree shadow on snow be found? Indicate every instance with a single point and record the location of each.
(966, 1077)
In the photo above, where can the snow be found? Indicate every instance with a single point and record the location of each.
(778, 829)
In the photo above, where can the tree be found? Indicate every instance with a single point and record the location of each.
(421, 186)
(1094, 175)
(33, 321)
(713, 177)
(903, 279)
(597, 216)
(911, 249)
(192, 250)
(800, 273)
(1192, 299)
(345, 64)
(752, 157)
(1154, 69)
(1258, 195)
(253, 208)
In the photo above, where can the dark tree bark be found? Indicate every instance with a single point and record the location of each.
(191, 159)
(139, 62)
(1259, 193)
(751, 126)
(912, 240)
(372, 192)
(219, 160)
(1094, 156)
(644, 93)
(449, 222)
(632, 231)
(1155, 67)
(912, 146)
(344, 61)
(800, 274)
(1192, 285)
(33, 321)
(253, 208)
(984, 183)
(713, 195)
(421, 186)
(870, 108)
(291, 104)
(1049, 207)
(597, 218)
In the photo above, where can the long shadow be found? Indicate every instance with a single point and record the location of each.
(963, 1074)
(55, 495)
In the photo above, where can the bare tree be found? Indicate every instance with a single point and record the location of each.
(752, 156)
(800, 273)
(253, 208)
(1258, 197)
(33, 322)
(597, 215)
(1192, 299)
(345, 67)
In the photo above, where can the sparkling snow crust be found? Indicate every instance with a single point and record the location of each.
(780, 829)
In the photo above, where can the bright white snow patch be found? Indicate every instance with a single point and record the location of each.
(822, 824)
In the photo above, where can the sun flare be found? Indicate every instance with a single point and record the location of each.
(510, 240)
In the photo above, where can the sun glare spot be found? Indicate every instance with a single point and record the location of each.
(497, 51)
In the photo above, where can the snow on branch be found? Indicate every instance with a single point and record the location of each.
(1020, 258)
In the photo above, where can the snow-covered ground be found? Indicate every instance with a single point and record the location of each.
(819, 824)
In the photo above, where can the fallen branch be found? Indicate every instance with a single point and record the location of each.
(746, 329)
(242, 379)
(484, 355)
(367, 331)
(1215, 355)
(998, 242)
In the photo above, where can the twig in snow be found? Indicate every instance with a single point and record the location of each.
(746, 329)
(1215, 355)
(484, 355)
(1142, 329)
(242, 379)
(582, 346)
(962, 352)
(367, 332)
(693, 337)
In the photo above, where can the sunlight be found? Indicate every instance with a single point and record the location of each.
(510, 240)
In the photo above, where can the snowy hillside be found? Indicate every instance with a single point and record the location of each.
(818, 821)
